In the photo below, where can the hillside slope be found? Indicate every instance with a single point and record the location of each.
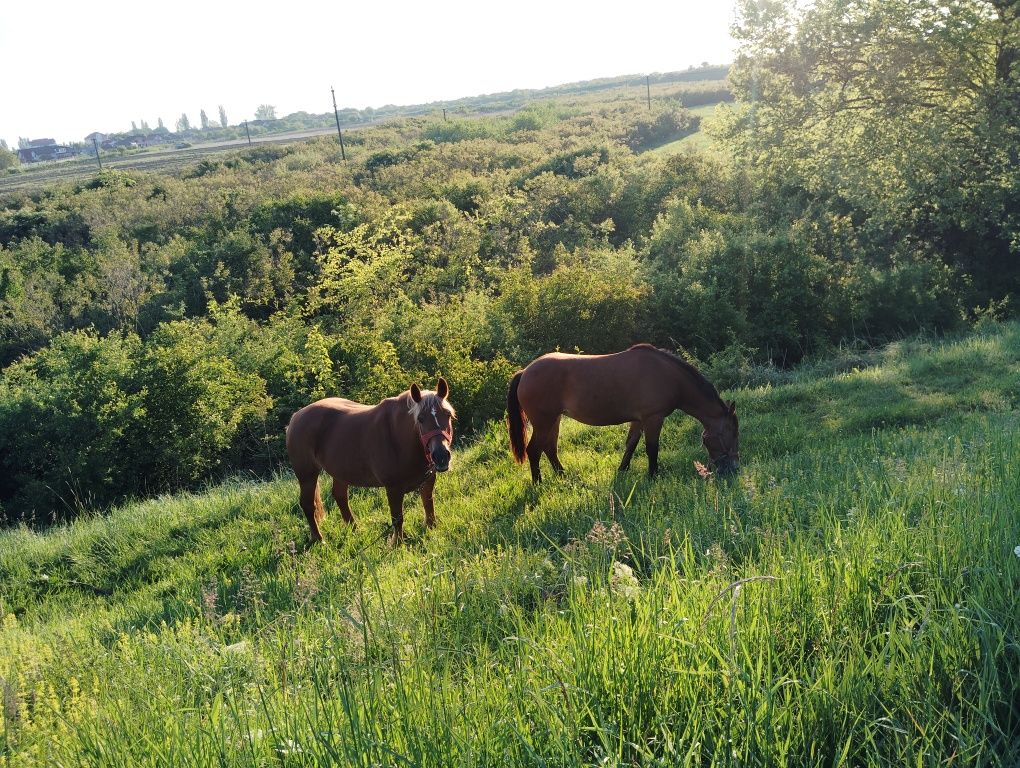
(853, 598)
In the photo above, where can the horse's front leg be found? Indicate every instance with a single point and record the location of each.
(426, 501)
(396, 499)
(651, 427)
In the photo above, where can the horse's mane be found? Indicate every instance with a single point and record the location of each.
(430, 397)
(704, 385)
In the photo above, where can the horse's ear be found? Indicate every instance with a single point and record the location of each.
(442, 388)
(415, 393)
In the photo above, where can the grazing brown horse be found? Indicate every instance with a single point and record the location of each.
(641, 385)
(399, 444)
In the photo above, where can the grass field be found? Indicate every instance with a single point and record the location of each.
(698, 141)
(853, 598)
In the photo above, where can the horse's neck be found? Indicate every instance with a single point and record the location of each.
(694, 402)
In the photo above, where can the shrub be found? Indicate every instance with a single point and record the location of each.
(596, 305)
(68, 426)
(203, 413)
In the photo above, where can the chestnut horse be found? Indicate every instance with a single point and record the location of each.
(399, 444)
(641, 385)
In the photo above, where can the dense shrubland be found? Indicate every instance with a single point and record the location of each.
(157, 329)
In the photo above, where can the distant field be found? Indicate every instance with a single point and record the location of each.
(698, 140)
(162, 160)
(853, 598)
(170, 160)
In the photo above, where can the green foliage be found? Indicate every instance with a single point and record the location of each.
(668, 124)
(8, 159)
(851, 599)
(456, 130)
(70, 417)
(89, 420)
(109, 177)
(205, 411)
(900, 117)
(596, 305)
(467, 247)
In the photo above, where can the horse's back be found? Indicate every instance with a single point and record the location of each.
(312, 426)
(341, 437)
(593, 389)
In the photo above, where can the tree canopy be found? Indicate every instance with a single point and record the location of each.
(894, 123)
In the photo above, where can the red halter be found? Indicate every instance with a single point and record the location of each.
(426, 436)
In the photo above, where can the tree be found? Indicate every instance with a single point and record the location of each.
(159, 124)
(265, 112)
(8, 159)
(204, 119)
(145, 126)
(183, 124)
(23, 142)
(134, 127)
(895, 120)
(223, 117)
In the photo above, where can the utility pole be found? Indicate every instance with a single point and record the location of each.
(247, 132)
(96, 145)
(444, 115)
(648, 90)
(336, 114)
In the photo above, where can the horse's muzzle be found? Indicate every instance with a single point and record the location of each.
(441, 458)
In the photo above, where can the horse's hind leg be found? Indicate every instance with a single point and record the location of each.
(311, 503)
(342, 501)
(539, 433)
(632, 440)
(552, 444)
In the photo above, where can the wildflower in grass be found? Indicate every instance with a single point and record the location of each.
(209, 602)
(610, 537)
(719, 559)
(249, 597)
(306, 582)
(1016, 550)
(623, 581)
(240, 647)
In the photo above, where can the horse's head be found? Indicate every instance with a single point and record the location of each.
(721, 439)
(433, 419)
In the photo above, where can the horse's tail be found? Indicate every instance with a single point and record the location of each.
(516, 421)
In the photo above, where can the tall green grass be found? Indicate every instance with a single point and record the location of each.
(853, 598)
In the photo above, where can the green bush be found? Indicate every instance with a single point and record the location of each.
(70, 419)
(203, 414)
(596, 305)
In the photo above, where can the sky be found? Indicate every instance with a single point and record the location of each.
(69, 68)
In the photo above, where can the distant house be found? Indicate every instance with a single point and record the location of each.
(132, 141)
(95, 136)
(39, 150)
